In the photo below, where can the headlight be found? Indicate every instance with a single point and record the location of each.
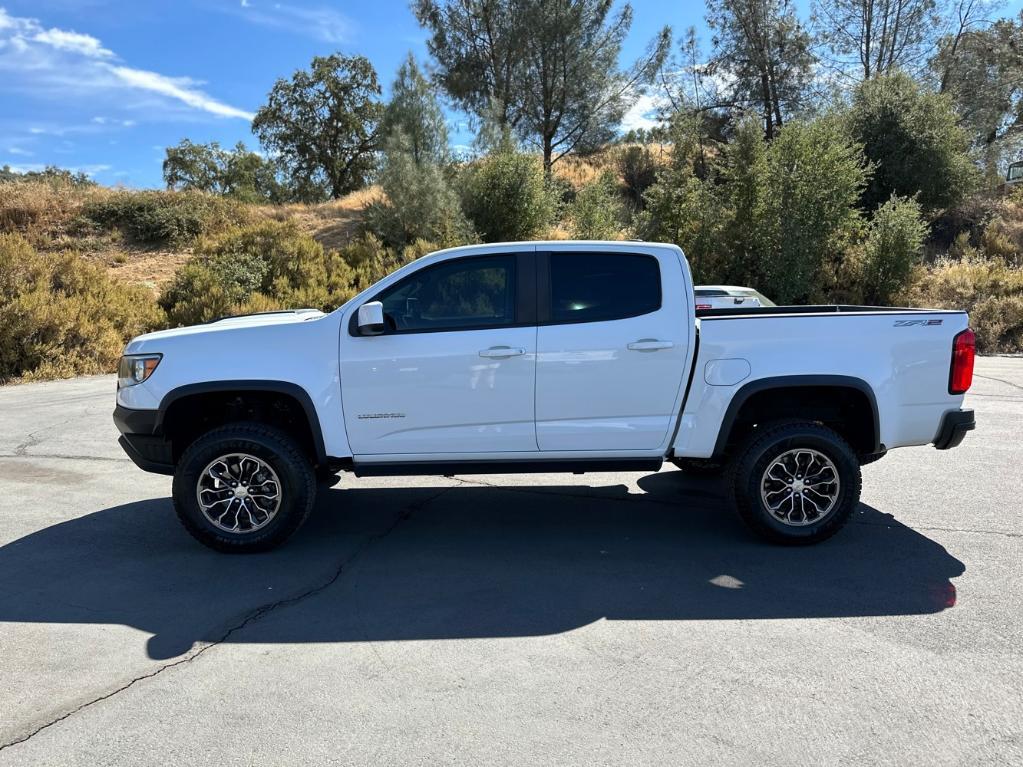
(136, 368)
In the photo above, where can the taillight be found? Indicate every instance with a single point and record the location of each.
(701, 307)
(964, 349)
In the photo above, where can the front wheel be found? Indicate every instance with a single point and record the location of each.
(244, 487)
(796, 483)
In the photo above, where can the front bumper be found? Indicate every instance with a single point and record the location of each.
(143, 441)
(954, 426)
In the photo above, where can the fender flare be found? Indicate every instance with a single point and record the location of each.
(794, 382)
(280, 387)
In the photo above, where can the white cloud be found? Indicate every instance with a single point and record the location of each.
(100, 120)
(181, 88)
(322, 23)
(62, 64)
(644, 113)
(63, 40)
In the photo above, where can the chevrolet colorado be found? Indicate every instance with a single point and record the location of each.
(539, 356)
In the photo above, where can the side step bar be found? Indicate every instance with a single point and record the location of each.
(550, 466)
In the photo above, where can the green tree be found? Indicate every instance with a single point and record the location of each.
(415, 113)
(420, 203)
(195, 166)
(913, 138)
(322, 125)
(572, 93)
(874, 38)
(548, 70)
(981, 70)
(477, 45)
(236, 173)
(763, 51)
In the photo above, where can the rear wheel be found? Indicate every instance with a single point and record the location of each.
(243, 487)
(796, 483)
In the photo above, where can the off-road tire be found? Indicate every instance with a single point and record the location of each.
(755, 457)
(268, 444)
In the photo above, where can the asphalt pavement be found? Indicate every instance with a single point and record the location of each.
(530, 619)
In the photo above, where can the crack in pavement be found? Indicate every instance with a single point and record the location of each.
(65, 457)
(1000, 380)
(911, 527)
(251, 617)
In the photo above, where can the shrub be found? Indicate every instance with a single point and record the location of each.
(507, 197)
(915, 141)
(597, 211)
(38, 207)
(893, 247)
(61, 316)
(990, 289)
(638, 170)
(271, 265)
(164, 217)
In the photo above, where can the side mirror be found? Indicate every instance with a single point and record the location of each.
(371, 319)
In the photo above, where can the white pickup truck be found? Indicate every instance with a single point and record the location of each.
(539, 357)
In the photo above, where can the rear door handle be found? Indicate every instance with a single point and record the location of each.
(650, 345)
(502, 351)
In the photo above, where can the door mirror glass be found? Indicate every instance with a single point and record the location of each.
(371, 319)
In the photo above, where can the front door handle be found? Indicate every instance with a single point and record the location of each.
(502, 351)
(650, 345)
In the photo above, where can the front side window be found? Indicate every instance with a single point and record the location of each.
(594, 287)
(456, 295)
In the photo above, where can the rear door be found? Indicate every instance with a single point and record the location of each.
(455, 369)
(611, 347)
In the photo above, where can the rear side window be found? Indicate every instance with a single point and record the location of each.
(593, 287)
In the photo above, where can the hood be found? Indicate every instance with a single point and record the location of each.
(260, 319)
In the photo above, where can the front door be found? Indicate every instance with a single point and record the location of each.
(611, 348)
(453, 372)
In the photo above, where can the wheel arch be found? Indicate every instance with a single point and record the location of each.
(176, 401)
(817, 391)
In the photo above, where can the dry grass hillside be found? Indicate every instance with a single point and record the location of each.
(54, 218)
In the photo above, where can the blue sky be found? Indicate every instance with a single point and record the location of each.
(104, 86)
